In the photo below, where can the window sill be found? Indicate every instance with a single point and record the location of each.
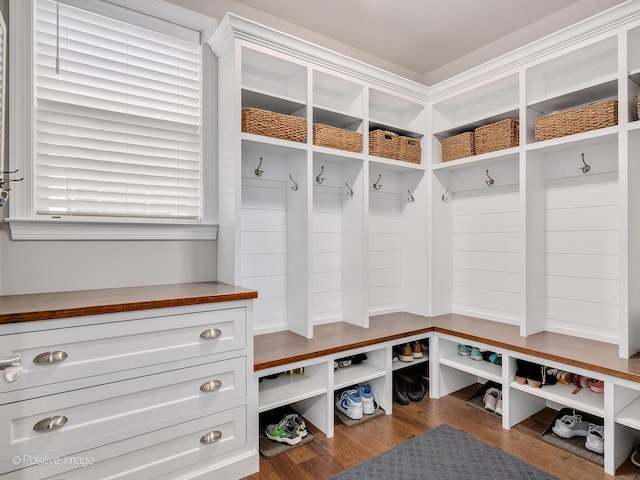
(95, 230)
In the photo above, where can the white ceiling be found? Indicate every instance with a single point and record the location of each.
(426, 40)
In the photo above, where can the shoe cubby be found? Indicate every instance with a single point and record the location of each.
(455, 371)
(525, 399)
(368, 369)
(303, 386)
(625, 433)
(400, 364)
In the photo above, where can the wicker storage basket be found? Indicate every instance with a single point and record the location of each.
(577, 120)
(409, 149)
(458, 146)
(272, 124)
(383, 144)
(496, 136)
(333, 137)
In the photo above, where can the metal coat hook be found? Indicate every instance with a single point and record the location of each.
(445, 196)
(257, 171)
(5, 181)
(490, 181)
(586, 167)
(378, 185)
(349, 189)
(294, 187)
(411, 198)
(319, 177)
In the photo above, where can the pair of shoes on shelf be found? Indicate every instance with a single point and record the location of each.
(570, 426)
(410, 352)
(290, 430)
(492, 400)
(407, 390)
(534, 374)
(357, 402)
(464, 350)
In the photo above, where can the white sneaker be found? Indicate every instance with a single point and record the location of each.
(570, 426)
(595, 439)
(350, 403)
(369, 404)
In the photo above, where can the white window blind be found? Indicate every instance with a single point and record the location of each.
(117, 118)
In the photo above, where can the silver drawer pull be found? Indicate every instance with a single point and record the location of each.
(211, 437)
(50, 357)
(51, 423)
(210, 333)
(11, 367)
(210, 386)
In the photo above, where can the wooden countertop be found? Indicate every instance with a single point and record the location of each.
(282, 348)
(48, 306)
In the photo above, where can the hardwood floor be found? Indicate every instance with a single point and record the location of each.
(323, 457)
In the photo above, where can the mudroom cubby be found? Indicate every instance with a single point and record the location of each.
(337, 236)
(274, 218)
(573, 274)
(477, 248)
(397, 196)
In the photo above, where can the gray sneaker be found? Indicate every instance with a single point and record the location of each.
(570, 426)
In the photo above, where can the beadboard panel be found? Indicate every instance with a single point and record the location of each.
(582, 255)
(486, 255)
(385, 244)
(326, 295)
(263, 249)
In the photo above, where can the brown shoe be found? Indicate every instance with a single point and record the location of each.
(416, 350)
(405, 354)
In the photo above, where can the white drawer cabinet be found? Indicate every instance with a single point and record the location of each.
(132, 394)
(116, 345)
(175, 452)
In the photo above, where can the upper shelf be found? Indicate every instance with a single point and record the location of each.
(399, 114)
(335, 94)
(274, 76)
(481, 105)
(592, 66)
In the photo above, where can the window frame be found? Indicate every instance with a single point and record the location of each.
(23, 222)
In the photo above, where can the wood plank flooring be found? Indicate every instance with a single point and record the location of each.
(322, 458)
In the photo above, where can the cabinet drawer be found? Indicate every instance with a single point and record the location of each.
(147, 456)
(93, 350)
(106, 413)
